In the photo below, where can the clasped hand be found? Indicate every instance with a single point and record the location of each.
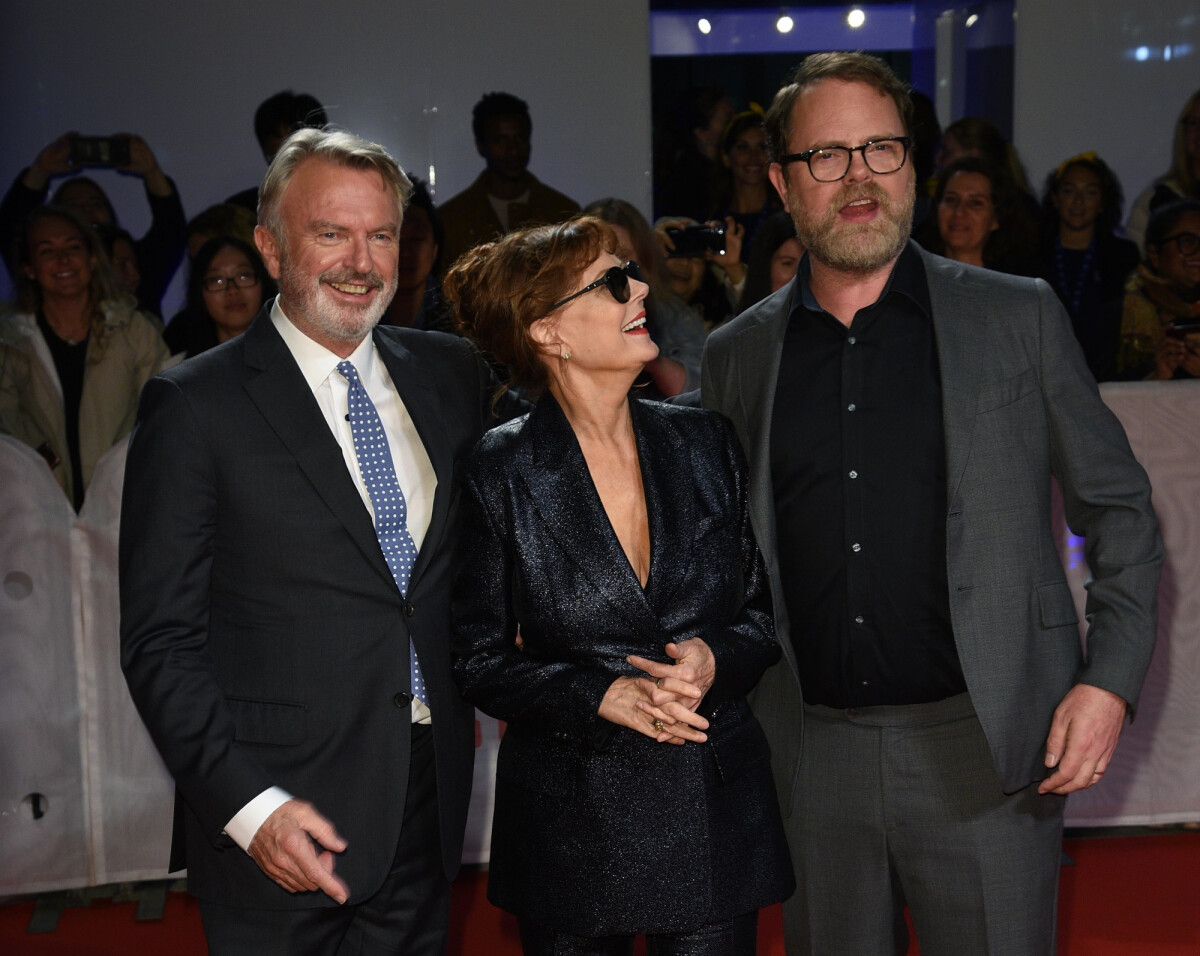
(663, 704)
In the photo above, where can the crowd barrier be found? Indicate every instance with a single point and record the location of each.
(1155, 774)
(85, 800)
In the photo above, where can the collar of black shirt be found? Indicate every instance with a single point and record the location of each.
(907, 279)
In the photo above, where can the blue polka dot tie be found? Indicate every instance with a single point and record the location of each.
(391, 512)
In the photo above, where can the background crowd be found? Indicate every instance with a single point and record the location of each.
(88, 328)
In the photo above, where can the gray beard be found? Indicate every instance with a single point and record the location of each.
(303, 293)
(858, 249)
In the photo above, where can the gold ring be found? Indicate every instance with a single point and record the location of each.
(658, 682)
(659, 725)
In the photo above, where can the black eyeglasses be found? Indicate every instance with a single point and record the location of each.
(1188, 242)
(828, 164)
(243, 280)
(617, 279)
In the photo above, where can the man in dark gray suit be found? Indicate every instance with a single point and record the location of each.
(903, 416)
(287, 538)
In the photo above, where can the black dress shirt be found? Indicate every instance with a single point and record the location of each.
(858, 465)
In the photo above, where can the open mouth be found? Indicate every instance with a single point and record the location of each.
(862, 208)
(351, 288)
(636, 326)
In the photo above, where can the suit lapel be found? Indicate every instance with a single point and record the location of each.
(962, 352)
(668, 480)
(759, 347)
(749, 400)
(279, 391)
(418, 391)
(560, 488)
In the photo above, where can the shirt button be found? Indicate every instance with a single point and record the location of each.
(852, 340)
(859, 619)
(850, 407)
(856, 547)
(854, 474)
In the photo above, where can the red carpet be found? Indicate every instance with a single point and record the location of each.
(1125, 896)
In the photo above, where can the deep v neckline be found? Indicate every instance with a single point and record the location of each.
(614, 538)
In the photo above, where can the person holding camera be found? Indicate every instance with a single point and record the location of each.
(704, 264)
(158, 252)
(1160, 315)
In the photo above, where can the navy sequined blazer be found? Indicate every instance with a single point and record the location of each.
(598, 829)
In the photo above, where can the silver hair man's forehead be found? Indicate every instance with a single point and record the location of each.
(339, 147)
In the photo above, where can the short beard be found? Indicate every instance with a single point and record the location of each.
(857, 248)
(303, 292)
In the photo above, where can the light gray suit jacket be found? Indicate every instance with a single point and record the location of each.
(1018, 405)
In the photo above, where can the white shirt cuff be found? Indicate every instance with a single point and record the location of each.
(246, 821)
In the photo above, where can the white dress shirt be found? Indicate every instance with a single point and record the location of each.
(414, 471)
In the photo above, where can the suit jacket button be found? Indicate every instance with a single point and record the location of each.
(402, 700)
(408, 608)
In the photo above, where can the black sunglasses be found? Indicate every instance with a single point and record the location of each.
(616, 278)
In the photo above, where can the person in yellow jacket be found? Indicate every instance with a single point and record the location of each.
(74, 357)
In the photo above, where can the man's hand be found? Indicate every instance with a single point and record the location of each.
(283, 849)
(1083, 736)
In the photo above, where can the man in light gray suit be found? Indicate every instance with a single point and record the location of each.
(903, 416)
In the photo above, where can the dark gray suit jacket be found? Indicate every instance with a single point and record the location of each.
(1018, 405)
(263, 637)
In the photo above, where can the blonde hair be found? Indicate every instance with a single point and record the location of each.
(103, 286)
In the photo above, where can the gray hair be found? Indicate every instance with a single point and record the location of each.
(333, 146)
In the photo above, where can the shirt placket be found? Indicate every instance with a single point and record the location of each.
(860, 625)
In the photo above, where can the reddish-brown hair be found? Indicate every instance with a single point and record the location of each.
(499, 289)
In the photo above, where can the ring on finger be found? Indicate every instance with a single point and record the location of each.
(659, 725)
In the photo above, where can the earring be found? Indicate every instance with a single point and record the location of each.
(566, 354)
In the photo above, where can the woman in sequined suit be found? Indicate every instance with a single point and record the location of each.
(612, 607)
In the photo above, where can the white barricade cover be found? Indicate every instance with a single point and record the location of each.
(131, 795)
(477, 840)
(43, 809)
(1155, 774)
